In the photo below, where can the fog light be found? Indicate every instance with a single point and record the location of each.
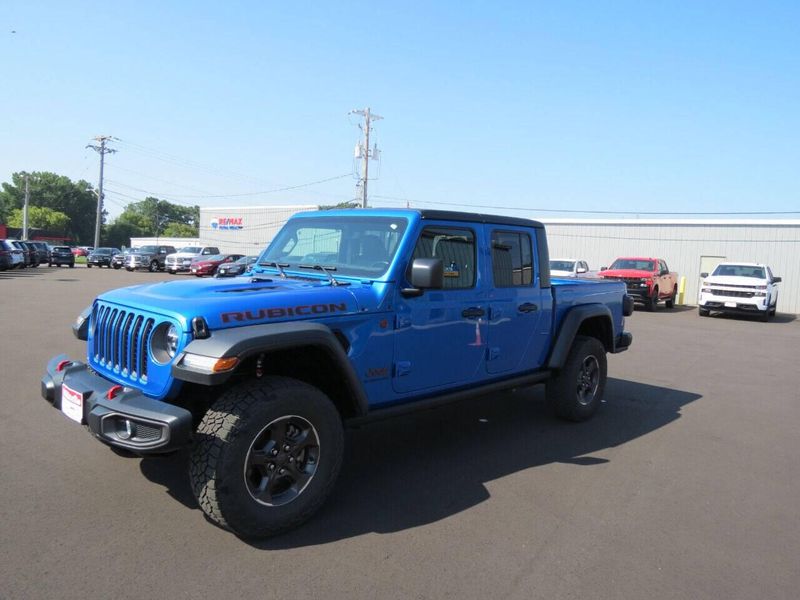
(128, 430)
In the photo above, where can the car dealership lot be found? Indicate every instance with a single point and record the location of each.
(685, 484)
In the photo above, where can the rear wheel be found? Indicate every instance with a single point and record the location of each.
(88, 266)
(577, 389)
(268, 453)
(670, 303)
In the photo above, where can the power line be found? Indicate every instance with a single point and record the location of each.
(261, 192)
(593, 212)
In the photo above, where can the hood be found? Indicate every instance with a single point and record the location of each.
(239, 301)
(747, 282)
(183, 255)
(632, 273)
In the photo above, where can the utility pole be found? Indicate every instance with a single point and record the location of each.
(25, 210)
(364, 152)
(102, 150)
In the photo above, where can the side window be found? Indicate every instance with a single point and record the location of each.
(663, 266)
(512, 259)
(456, 248)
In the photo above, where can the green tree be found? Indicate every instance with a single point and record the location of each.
(48, 190)
(179, 230)
(40, 217)
(346, 204)
(152, 216)
(119, 234)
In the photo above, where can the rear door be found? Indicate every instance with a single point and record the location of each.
(516, 302)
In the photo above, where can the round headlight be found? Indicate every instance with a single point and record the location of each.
(172, 341)
(164, 343)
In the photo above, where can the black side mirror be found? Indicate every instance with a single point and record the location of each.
(426, 274)
(703, 275)
(604, 268)
(776, 280)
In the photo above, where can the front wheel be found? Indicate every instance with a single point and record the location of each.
(703, 312)
(88, 266)
(153, 266)
(117, 267)
(268, 453)
(650, 303)
(577, 389)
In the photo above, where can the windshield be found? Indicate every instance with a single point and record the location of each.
(145, 250)
(191, 250)
(351, 245)
(102, 251)
(214, 257)
(561, 265)
(740, 271)
(635, 264)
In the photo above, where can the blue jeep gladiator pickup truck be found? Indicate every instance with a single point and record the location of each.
(347, 316)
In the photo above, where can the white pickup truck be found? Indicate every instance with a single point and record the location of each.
(570, 267)
(742, 288)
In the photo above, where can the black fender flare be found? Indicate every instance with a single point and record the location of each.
(569, 329)
(244, 342)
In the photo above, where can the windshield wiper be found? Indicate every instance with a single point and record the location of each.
(277, 265)
(327, 270)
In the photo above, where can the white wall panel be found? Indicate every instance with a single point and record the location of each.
(682, 243)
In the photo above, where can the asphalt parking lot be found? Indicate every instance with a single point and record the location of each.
(685, 485)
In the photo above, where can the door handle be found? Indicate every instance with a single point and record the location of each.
(473, 312)
(528, 307)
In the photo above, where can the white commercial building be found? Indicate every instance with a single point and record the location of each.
(244, 229)
(689, 247)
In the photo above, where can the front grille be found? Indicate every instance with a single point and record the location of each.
(120, 341)
(732, 293)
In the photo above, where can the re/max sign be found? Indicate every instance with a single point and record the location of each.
(277, 313)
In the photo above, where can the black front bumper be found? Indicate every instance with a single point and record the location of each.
(128, 420)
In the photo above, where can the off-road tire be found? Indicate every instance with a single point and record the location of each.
(153, 267)
(650, 303)
(670, 302)
(703, 312)
(566, 391)
(224, 442)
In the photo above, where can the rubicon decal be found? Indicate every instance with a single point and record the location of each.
(276, 313)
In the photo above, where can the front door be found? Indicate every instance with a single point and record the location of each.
(440, 335)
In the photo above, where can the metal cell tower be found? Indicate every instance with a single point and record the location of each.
(102, 150)
(364, 152)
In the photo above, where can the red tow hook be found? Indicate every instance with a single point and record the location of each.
(60, 366)
(113, 391)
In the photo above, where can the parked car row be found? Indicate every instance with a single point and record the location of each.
(20, 254)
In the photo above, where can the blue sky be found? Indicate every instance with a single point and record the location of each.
(571, 106)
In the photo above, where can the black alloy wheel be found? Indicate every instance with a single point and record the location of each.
(282, 460)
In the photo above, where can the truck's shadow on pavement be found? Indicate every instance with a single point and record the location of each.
(417, 469)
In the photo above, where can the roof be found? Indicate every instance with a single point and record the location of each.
(435, 215)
